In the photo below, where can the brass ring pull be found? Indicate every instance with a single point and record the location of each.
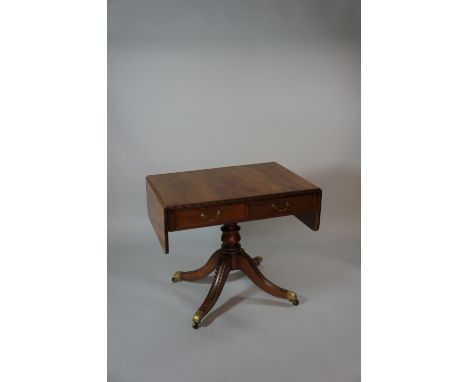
(205, 216)
(275, 207)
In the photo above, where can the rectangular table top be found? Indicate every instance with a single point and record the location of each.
(194, 199)
(227, 183)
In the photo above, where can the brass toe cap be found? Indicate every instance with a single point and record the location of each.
(197, 316)
(292, 297)
(177, 277)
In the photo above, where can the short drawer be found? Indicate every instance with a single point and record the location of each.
(204, 217)
(290, 205)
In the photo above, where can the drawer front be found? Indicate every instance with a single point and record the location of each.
(204, 217)
(290, 205)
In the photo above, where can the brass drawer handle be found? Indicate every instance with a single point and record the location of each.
(205, 216)
(275, 207)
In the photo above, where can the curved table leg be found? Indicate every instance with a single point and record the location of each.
(199, 273)
(221, 274)
(247, 265)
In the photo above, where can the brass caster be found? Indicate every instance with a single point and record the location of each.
(177, 277)
(258, 258)
(196, 319)
(292, 297)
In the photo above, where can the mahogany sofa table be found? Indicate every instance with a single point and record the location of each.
(226, 196)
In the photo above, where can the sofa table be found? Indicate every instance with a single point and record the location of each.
(226, 196)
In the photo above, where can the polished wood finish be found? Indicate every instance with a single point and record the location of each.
(157, 216)
(206, 269)
(230, 257)
(246, 264)
(201, 272)
(270, 208)
(206, 216)
(228, 195)
(202, 198)
(228, 184)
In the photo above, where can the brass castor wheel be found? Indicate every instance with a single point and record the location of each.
(295, 302)
(177, 277)
(195, 325)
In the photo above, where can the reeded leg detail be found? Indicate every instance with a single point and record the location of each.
(230, 256)
(201, 272)
(247, 265)
(221, 274)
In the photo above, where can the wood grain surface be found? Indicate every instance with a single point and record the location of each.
(227, 195)
(227, 184)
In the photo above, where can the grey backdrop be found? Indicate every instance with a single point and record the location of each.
(197, 84)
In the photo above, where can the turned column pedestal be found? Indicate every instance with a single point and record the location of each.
(226, 259)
